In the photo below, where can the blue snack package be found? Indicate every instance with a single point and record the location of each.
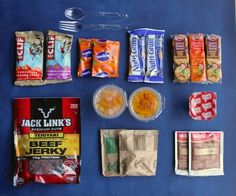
(146, 55)
(154, 58)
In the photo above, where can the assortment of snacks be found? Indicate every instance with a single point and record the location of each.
(86, 56)
(146, 55)
(213, 58)
(105, 58)
(199, 153)
(29, 58)
(47, 140)
(203, 105)
(200, 63)
(109, 101)
(58, 66)
(181, 58)
(129, 152)
(145, 104)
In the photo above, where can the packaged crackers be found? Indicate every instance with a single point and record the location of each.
(29, 58)
(197, 58)
(213, 58)
(181, 58)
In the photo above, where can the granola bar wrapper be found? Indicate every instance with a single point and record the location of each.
(58, 65)
(29, 58)
(110, 152)
(47, 140)
(197, 58)
(181, 153)
(138, 152)
(180, 58)
(213, 58)
(206, 151)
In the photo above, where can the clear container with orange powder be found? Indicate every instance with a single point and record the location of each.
(146, 104)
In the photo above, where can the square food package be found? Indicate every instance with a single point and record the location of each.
(206, 151)
(105, 58)
(110, 152)
(58, 65)
(138, 152)
(29, 58)
(47, 140)
(181, 153)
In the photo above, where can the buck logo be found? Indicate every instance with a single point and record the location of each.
(48, 113)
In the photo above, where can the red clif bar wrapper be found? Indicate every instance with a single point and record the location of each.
(203, 105)
(47, 140)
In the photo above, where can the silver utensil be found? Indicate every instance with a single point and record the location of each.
(76, 13)
(75, 26)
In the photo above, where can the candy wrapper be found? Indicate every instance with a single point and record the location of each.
(146, 55)
(181, 153)
(197, 58)
(213, 58)
(29, 58)
(105, 58)
(47, 140)
(86, 56)
(203, 105)
(180, 58)
(206, 153)
(58, 66)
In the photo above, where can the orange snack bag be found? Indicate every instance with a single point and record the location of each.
(105, 58)
(86, 54)
(197, 58)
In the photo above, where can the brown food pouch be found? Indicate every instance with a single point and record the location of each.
(181, 153)
(180, 58)
(138, 152)
(110, 152)
(206, 153)
(213, 58)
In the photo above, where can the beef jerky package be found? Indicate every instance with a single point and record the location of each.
(206, 153)
(110, 152)
(47, 140)
(29, 58)
(181, 152)
(138, 152)
(58, 66)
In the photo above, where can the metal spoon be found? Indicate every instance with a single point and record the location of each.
(76, 13)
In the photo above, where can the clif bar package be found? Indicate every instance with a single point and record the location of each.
(110, 152)
(146, 55)
(180, 58)
(47, 140)
(197, 58)
(138, 152)
(206, 153)
(105, 58)
(58, 66)
(29, 58)
(213, 58)
(181, 152)
(86, 57)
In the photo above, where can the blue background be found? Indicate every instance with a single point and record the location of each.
(175, 16)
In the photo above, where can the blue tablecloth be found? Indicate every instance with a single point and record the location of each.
(175, 16)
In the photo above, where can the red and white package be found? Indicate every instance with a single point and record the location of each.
(181, 153)
(47, 140)
(206, 153)
(203, 105)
